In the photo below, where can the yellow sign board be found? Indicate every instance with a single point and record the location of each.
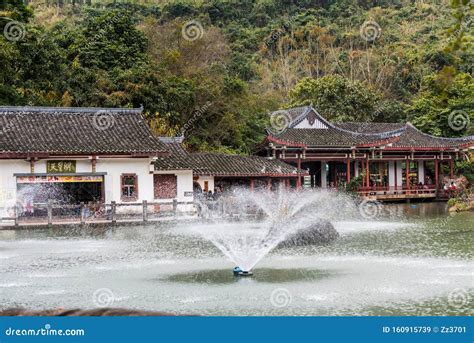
(60, 167)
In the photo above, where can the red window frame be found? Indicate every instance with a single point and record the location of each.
(133, 197)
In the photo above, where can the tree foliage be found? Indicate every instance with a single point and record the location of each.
(249, 58)
(337, 98)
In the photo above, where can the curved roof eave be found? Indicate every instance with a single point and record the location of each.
(467, 138)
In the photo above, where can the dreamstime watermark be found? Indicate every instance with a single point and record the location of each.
(370, 30)
(15, 209)
(192, 30)
(279, 121)
(14, 31)
(10, 208)
(458, 297)
(280, 297)
(459, 120)
(45, 331)
(103, 297)
(103, 120)
(196, 115)
(370, 209)
(6, 194)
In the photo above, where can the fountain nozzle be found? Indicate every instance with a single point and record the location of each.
(239, 272)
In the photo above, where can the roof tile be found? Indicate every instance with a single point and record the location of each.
(76, 131)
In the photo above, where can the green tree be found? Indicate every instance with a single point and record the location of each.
(111, 40)
(16, 10)
(336, 98)
(444, 107)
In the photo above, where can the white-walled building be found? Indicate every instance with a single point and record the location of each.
(75, 155)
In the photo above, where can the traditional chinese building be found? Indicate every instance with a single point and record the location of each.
(74, 155)
(214, 170)
(384, 160)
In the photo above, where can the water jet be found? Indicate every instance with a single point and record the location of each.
(247, 225)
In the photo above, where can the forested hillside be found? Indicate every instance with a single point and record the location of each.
(215, 69)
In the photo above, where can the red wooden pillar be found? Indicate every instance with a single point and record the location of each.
(451, 168)
(367, 174)
(298, 180)
(436, 173)
(348, 170)
(407, 173)
(251, 184)
(269, 184)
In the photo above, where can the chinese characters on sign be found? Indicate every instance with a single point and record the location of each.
(60, 166)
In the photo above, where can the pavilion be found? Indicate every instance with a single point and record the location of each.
(386, 161)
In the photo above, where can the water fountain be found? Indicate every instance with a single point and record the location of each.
(247, 225)
(390, 264)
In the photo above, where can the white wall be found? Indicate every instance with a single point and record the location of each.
(210, 179)
(316, 125)
(115, 167)
(185, 183)
(8, 181)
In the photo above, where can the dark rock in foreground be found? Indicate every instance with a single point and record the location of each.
(98, 312)
(322, 232)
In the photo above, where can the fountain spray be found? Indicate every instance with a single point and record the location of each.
(246, 225)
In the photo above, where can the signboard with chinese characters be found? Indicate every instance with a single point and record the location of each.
(60, 167)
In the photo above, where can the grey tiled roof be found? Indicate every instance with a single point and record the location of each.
(364, 127)
(330, 137)
(221, 164)
(178, 159)
(56, 130)
(412, 137)
(353, 134)
(228, 165)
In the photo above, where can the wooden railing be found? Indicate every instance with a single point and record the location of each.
(50, 213)
(400, 190)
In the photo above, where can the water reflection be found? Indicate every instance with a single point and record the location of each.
(387, 266)
(265, 275)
